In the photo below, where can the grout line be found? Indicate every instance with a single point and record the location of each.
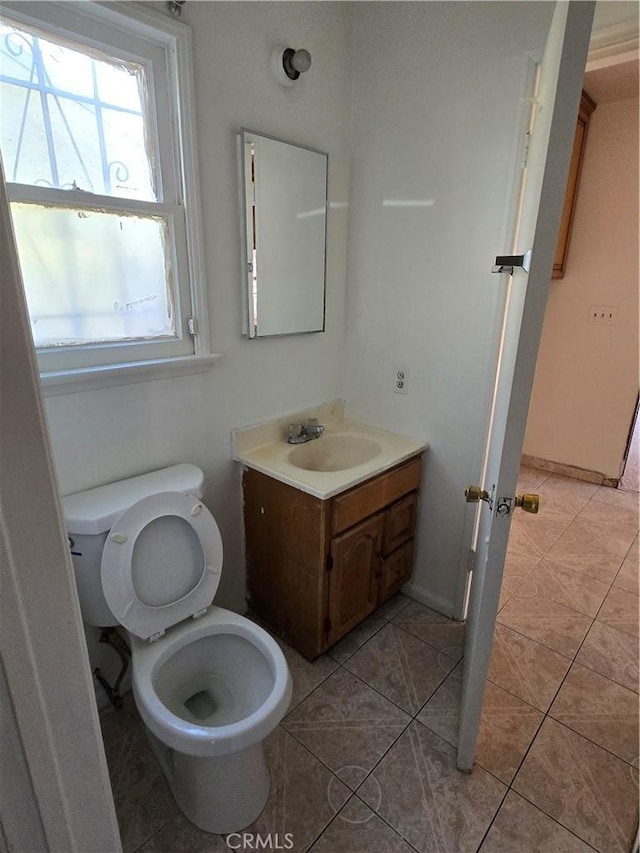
(493, 819)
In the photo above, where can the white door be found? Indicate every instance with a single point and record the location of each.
(555, 113)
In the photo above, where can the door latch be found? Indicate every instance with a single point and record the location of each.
(507, 263)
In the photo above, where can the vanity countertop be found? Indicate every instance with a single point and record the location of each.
(273, 458)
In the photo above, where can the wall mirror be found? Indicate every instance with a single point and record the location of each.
(284, 236)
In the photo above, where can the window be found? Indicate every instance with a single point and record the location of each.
(101, 176)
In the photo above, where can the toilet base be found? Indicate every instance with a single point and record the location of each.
(221, 794)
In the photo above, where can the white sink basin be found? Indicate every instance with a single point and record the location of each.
(333, 453)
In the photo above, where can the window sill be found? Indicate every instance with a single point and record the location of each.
(91, 378)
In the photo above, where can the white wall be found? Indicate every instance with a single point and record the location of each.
(435, 98)
(100, 436)
(586, 380)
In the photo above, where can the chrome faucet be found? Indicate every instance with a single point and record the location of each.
(301, 433)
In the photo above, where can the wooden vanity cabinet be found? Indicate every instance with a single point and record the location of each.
(316, 568)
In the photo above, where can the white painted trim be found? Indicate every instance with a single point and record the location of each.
(41, 635)
(59, 382)
(435, 602)
(175, 38)
(613, 41)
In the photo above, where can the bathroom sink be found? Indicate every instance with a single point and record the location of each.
(334, 453)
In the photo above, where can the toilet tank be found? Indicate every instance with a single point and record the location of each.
(89, 516)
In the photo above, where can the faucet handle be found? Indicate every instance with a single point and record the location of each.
(312, 422)
(295, 430)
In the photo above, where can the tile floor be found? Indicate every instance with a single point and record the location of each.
(365, 758)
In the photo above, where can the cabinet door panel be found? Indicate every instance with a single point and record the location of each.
(396, 571)
(399, 523)
(353, 579)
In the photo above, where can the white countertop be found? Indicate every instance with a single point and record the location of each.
(272, 458)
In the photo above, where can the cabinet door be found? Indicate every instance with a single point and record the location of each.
(353, 577)
(396, 571)
(399, 523)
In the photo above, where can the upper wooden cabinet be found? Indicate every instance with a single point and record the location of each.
(587, 106)
(316, 568)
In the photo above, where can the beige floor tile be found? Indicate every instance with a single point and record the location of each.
(116, 723)
(615, 524)
(418, 790)
(521, 544)
(519, 565)
(401, 667)
(358, 828)
(441, 714)
(620, 610)
(517, 568)
(629, 575)
(304, 795)
(433, 628)
(143, 811)
(508, 589)
(393, 606)
(520, 827)
(541, 619)
(181, 836)
(540, 531)
(583, 550)
(529, 670)
(617, 497)
(565, 494)
(530, 479)
(347, 725)
(566, 587)
(601, 710)
(306, 675)
(612, 653)
(131, 761)
(350, 644)
(582, 786)
(508, 726)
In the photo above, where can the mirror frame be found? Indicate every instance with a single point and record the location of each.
(250, 326)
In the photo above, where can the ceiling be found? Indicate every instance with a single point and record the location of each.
(613, 71)
(610, 12)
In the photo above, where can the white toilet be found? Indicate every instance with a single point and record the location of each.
(209, 684)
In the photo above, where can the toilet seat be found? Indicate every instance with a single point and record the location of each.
(154, 578)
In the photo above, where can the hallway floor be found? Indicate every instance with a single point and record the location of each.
(365, 758)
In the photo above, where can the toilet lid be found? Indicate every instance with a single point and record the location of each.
(161, 563)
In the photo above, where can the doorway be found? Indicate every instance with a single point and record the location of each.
(565, 646)
(630, 480)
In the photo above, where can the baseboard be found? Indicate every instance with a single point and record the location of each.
(569, 471)
(435, 602)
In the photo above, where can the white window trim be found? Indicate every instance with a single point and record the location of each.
(176, 38)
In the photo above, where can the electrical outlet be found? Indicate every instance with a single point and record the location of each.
(401, 379)
(603, 315)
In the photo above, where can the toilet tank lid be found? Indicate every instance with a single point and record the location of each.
(94, 511)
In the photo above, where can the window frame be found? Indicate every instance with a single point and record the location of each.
(116, 31)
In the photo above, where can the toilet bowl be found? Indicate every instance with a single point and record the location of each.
(209, 694)
(209, 684)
